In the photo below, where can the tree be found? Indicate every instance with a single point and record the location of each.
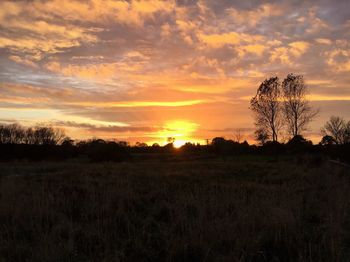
(346, 133)
(170, 140)
(297, 110)
(238, 136)
(29, 136)
(336, 128)
(261, 136)
(266, 108)
(327, 141)
(141, 144)
(48, 136)
(67, 142)
(17, 134)
(12, 134)
(298, 140)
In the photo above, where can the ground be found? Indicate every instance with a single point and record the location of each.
(247, 208)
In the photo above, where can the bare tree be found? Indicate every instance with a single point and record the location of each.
(238, 136)
(47, 136)
(346, 133)
(17, 134)
(29, 136)
(267, 109)
(3, 134)
(12, 134)
(296, 108)
(336, 127)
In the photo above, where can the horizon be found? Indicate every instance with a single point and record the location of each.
(143, 71)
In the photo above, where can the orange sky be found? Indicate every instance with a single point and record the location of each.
(147, 70)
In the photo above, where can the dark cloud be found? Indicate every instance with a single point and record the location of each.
(110, 128)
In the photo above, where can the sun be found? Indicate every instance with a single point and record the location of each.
(179, 143)
(180, 131)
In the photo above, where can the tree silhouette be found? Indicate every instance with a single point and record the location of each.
(338, 129)
(346, 133)
(334, 128)
(48, 136)
(170, 140)
(261, 136)
(238, 136)
(17, 134)
(327, 141)
(141, 144)
(297, 110)
(267, 109)
(12, 134)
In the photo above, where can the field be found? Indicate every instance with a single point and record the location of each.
(216, 209)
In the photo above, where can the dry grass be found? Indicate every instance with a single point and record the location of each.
(238, 209)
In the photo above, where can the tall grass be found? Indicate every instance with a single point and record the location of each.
(212, 210)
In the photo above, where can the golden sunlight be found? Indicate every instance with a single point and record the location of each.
(181, 131)
(179, 143)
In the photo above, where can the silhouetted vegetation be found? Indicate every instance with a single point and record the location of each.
(267, 108)
(337, 131)
(277, 106)
(297, 111)
(40, 135)
(47, 143)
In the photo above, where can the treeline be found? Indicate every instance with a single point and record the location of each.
(328, 148)
(39, 135)
(48, 143)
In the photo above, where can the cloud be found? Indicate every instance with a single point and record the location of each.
(255, 16)
(230, 38)
(287, 54)
(316, 23)
(257, 49)
(103, 128)
(323, 41)
(219, 40)
(339, 60)
(93, 71)
(316, 97)
(142, 103)
(48, 97)
(128, 12)
(146, 63)
(298, 48)
(34, 28)
(23, 61)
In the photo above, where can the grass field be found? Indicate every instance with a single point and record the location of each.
(219, 209)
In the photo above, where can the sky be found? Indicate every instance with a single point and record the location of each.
(147, 70)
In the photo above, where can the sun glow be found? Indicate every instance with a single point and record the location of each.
(180, 131)
(179, 143)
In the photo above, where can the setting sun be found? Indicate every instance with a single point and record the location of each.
(179, 143)
(178, 132)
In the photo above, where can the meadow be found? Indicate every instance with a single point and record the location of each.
(244, 208)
